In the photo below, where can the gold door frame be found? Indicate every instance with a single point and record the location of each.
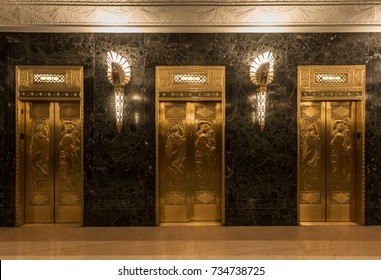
(337, 83)
(43, 83)
(190, 83)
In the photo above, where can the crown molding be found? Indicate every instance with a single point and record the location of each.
(188, 2)
(115, 17)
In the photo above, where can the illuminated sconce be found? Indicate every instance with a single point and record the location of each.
(118, 74)
(261, 75)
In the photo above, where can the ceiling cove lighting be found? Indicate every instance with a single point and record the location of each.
(118, 74)
(261, 75)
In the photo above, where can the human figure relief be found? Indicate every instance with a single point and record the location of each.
(69, 158)
(341, 146)
(175, 154)
(310, 145)
(205, 156)
(310, 154)
(39, 156)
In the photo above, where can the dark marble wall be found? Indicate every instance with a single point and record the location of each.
(119, 170)
(7, 140)
(373, 138)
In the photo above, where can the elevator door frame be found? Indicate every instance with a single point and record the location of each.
(45, 84)
(321, 83)
(190, 84)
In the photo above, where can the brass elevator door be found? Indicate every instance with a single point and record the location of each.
(327, 163)
(190, 145)
(52, 162)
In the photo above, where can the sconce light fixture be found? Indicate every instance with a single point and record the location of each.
(261, 75)
(118, 74)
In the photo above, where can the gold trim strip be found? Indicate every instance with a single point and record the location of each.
(331, 94)
(192, 95)
(317, 28)
(49, 99)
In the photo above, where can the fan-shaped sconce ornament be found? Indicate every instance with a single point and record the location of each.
(261, 75)
(118, 74)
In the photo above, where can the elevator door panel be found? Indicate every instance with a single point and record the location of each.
(327, 161)
(190, 161)
(53, 162)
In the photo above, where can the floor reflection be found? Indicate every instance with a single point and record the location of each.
(187, 242)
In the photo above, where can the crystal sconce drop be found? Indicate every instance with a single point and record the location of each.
(261, 75)
(118, 74)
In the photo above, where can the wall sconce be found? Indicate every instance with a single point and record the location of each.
(261, 75)
(118, 74)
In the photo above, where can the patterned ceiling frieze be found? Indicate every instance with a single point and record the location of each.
(188, 2)
(37, 15)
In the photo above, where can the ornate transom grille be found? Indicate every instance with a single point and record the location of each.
(331, 78)
(190, 78)
(49, 78)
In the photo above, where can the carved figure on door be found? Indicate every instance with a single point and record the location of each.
(39, 156)
(341, 145)
(310, 154)
(175, 154)
(205, 155)
(69, 158)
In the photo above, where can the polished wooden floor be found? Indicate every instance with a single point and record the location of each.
(191, 242)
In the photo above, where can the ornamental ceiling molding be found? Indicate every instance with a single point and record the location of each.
(190, 16)
(188, 2)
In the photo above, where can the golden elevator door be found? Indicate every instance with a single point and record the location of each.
(327, 161)
(190, 161)
(53, 162)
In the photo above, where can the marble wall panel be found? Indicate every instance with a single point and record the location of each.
(373, 141)
(261, 168)
(7, 147)
(123, 181)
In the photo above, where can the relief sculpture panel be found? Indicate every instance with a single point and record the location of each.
(175, 154)
(38, 143)
(39, 161)
(341, 145)
(69, 163)
(205, 155)
(311, 158)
